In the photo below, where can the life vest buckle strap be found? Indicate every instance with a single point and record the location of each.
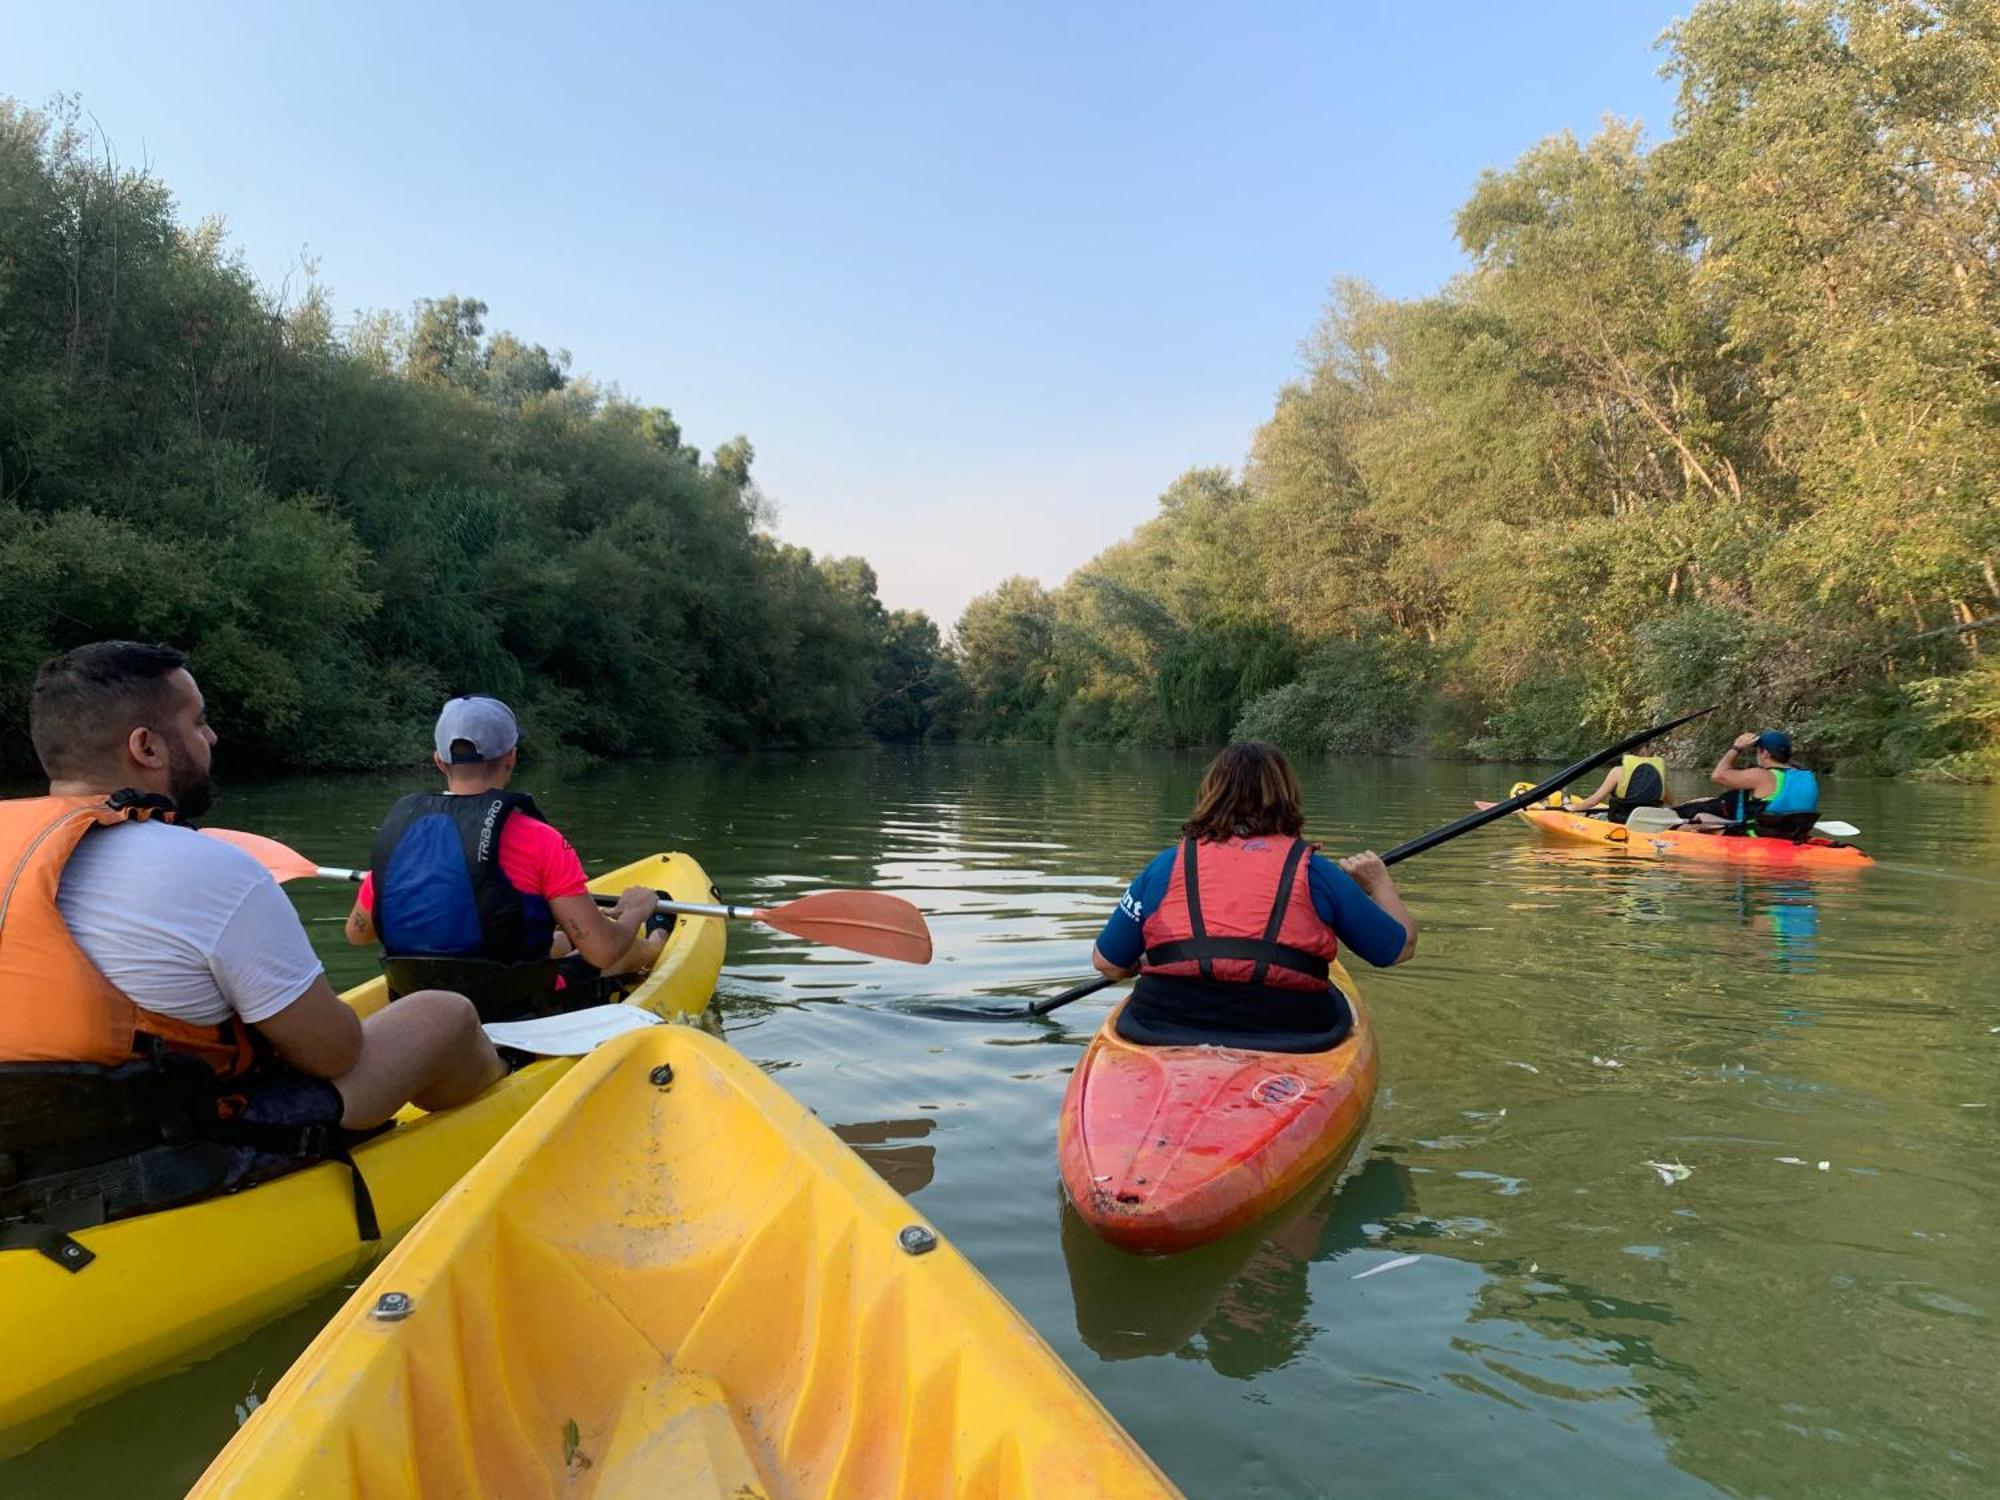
(48, 1233)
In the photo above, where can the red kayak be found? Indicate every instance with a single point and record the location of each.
(1166, 1148)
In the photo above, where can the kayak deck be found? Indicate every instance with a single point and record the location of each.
(1165, 1148)
(1686, 844)
(172, 1286)
(672, 1279)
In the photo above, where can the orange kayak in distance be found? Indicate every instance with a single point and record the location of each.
(1165, 1148)
(1817, 853)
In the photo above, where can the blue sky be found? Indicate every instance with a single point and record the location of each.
(977, 281)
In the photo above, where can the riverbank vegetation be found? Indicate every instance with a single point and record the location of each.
(1717, 419)
(345, 524)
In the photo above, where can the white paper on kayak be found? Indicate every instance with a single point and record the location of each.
(572, 1033)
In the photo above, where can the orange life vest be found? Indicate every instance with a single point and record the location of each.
(55, 1004)
(1240, 912)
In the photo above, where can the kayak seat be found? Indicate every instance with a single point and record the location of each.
(1172, 1012)
(500, 991)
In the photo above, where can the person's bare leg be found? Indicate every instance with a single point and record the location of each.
(425, 1049)
(640, 957)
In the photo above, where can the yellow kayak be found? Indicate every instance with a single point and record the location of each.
(671, 1279)
(169, 1287)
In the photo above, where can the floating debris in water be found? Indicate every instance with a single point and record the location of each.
(1826, 1166)
(1388, 1265)
(1795, 1161)
(250, 1402)
(1531, 1068)
(1670, 1172)
(1606, 1062)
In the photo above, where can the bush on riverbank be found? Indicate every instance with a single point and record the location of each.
(345, 525)
(1717, 420)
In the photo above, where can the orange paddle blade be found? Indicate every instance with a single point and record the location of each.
(283, 861)
(863, 921)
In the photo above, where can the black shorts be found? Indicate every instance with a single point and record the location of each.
(283, 1096)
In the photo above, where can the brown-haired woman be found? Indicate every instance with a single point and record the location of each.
(1233, 930)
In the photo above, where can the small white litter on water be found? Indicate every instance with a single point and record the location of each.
(1531, 1068)
(1670, 1172)
(1387, 1265)
(1534, 1266)
(1795, 1161)
(1606, 1062)
(1826, 1166)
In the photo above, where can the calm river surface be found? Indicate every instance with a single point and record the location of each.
(1814, 1309)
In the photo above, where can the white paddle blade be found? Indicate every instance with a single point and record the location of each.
(1653, 819)
(1835, 829)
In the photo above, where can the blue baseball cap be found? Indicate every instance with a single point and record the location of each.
(485, 723)
(1776, 741)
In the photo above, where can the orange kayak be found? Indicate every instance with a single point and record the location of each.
(1165, 1148)
(1818, 852)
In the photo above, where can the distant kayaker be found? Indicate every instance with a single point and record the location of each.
(176, 964)
(1773, 798)
(1636, 781)
(473, 888)
(1233, 930)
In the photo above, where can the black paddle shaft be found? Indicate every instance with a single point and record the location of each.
(1476, 819)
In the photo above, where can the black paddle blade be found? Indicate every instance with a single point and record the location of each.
(1538, 791)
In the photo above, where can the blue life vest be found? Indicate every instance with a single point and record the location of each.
(439, 889)
(1797, 791)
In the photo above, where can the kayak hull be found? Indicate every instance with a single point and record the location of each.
(170, 1287)
(725, 1304)
(1162, 1149)
(1826, 854)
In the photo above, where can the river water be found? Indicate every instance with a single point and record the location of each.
(1503, 1297)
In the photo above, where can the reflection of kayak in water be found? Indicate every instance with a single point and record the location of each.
(1166, 1148)
(1819, 853)
(1242, 1303)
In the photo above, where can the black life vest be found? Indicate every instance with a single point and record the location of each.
(448, 916)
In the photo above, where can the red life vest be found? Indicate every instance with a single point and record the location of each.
(1240, 913)
(55, 1004)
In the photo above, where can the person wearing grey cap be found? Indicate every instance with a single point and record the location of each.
(468, 887)
(1772, 799)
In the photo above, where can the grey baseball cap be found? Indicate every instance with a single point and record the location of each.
(487, 723)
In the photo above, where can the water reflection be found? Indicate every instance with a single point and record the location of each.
(907, 1169)
(1241, 1304)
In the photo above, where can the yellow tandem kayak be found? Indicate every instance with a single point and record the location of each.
(170, 1287)
(671, 1279)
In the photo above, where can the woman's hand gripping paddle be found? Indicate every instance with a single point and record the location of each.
(870, 922)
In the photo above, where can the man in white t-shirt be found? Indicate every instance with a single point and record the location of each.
(196, 934)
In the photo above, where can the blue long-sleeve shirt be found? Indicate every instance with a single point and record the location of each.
(1362, 926)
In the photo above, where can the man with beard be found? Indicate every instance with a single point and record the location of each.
(135, 944)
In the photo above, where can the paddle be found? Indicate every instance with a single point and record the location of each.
(1660, 819)
(1478, 818)
(870, 922)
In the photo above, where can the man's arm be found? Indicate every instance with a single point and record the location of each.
(601, 939)
(318, 1033)
(360, 926)
(1755, 780)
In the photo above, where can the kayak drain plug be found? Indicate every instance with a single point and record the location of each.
(916, 1240)
(662, 1076)
(392, 1307)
